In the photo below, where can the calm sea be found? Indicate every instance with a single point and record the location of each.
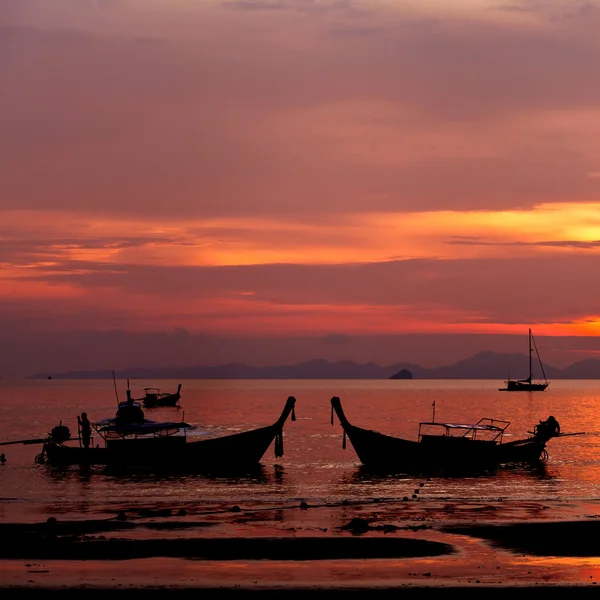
(315, 467)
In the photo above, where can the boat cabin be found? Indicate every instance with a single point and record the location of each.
(139, 443)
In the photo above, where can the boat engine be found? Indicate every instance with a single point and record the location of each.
(60, 434)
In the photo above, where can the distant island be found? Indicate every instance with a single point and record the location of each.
(402, 374)
(485, 365)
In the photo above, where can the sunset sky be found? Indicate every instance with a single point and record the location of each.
(268, 181)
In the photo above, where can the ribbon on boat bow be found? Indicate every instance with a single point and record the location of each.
(344, 437)
(279, 437)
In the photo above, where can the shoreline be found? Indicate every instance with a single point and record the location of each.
(379, 547)
(468, 591)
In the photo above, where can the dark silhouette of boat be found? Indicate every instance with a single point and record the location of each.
(139, 442)
(528, 384)
(445, 447)
(154, 398)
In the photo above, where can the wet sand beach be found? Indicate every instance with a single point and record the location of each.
(379, 546)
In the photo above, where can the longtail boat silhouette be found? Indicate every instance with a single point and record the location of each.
(447, 446)
(154, 398)
(131, 440)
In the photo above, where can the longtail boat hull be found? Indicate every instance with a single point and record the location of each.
(174, 452)
(61, 454)
(528, 450)
(440, 453)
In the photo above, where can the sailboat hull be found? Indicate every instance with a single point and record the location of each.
(518, 386)
(527, 385)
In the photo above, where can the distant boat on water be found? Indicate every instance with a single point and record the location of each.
(528, 384)
(154, 398)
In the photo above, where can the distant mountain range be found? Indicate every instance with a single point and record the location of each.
(485, 365)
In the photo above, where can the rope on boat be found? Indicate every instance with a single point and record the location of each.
(279, 438)
(344, 436)
(40, 458)
(279, 445)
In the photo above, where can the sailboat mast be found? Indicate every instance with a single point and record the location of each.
(530, 355)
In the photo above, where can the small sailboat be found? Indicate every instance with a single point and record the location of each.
(528, 385)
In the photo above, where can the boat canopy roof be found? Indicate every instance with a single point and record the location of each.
(490, 429)
(478, 427)
(108, 426)
(127, 403)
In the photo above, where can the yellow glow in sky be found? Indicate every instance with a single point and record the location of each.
(351, 238)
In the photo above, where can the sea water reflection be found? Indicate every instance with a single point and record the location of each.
(315, 467)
